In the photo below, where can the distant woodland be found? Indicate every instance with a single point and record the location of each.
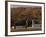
(30, 13)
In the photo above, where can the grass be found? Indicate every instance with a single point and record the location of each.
(20, 30)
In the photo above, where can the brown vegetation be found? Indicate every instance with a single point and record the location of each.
(23, 13)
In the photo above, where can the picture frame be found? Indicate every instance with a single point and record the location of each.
(10, 4)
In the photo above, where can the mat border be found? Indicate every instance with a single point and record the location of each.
(6, 18)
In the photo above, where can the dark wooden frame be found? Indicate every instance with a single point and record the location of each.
(6, 18)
